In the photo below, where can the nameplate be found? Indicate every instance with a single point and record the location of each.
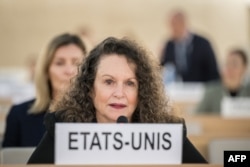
(235, 107)
(110, 144)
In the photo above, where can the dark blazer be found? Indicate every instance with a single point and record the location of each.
(23, 129)
(201, 60)
(44, 153)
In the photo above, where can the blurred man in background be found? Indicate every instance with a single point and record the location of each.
(190, 54)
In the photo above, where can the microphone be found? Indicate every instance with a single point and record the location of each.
(122, 119)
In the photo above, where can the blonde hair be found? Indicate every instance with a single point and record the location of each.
(42, 80)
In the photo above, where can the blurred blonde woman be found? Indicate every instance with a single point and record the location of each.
(55, 68)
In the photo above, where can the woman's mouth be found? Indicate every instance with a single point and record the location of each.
(117, 106)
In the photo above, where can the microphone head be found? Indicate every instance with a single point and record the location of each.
(122, 119)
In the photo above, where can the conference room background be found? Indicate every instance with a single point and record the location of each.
(26, 25)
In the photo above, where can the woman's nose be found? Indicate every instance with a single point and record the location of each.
(119, 91)
(70, 70)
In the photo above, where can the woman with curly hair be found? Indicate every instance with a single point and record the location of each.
(117, 78)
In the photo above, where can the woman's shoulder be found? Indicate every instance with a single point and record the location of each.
(23, 105)
(21, 109)
(214, 85)
(178, 120)
(49, 122)
(246, 89)
(50, 119)
(182, 121)
(212, 89)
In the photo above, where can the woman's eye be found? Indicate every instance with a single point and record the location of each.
(108, 81)
(59, 63)
(130, 83)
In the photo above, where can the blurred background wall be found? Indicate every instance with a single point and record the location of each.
(26, 26)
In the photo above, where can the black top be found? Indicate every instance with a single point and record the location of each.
(234, 93)
(22, 128)
(201, 60)
(44, 153)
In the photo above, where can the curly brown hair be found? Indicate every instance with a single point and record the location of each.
(77, 104)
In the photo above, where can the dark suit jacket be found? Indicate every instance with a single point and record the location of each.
(202, 65)
(23, 129)
(44, 153)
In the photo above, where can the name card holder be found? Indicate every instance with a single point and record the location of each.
(118, 144)
(238, 107)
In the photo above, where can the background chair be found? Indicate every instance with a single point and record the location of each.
(16, 155)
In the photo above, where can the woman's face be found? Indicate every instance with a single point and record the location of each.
(115, 90)
(63, 67)
(234, 71)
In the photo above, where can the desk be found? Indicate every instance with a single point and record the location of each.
(215, 127)
(202, 142)
(186, 165)
(213, 124)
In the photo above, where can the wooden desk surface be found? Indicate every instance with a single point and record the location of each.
(213, 124)
(215, 127)
(185, 165)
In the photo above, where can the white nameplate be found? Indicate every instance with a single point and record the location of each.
(104, 144)
(235, 107)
